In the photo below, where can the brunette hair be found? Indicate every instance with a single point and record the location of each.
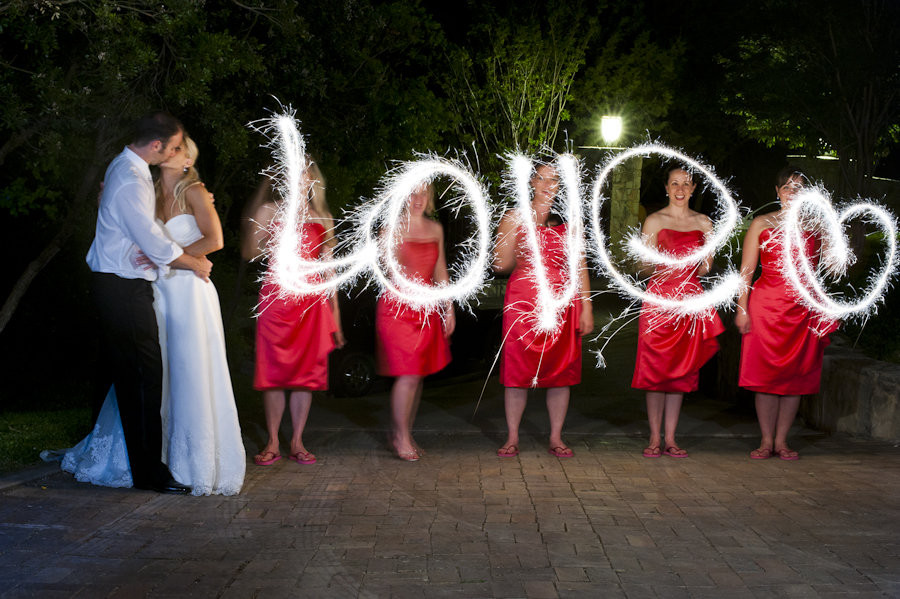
(155, 126)
(787, 173)
(430, 206)
(678, 167)
(317, 200)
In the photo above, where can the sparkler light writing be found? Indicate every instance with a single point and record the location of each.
(388, 212)
(297, 276)
(374, 251)
(549, 306)
(721, 293)
(811, 210)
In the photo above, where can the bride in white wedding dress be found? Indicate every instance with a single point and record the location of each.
(202, 442)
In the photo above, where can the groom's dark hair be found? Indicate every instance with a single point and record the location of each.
(156, 125)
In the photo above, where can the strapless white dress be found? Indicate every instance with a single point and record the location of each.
(202, 442)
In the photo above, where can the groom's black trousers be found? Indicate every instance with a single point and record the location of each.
(131, 349)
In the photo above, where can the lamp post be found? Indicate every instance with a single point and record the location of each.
(624, 186)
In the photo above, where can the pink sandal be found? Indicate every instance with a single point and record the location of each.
(508, 451)
(266, 458)
(561, 452)
(651, 452)
(302, 457)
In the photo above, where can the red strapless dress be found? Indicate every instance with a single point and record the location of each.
(411, 341)
(294, 335)
(782, 353)
(671, 350)
(532, 358)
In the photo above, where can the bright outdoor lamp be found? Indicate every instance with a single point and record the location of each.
(611, 128)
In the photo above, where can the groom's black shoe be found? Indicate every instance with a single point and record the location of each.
(169, 486)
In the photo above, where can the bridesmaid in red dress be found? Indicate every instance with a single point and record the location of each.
(413, 343)
(783, 344)
(531, 358)
(671, 350)
(293, 335)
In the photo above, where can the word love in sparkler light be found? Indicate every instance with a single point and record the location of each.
(372, 243)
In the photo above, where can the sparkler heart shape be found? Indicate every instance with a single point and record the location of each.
(721, 293)
(813, 207)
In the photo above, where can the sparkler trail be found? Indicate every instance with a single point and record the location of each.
(721, 293)
(293, 274)
(371, 246)
(811, 209)
(388, 212)
(297, 276)
(550, 306)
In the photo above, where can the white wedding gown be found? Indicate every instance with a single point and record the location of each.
(201, 436)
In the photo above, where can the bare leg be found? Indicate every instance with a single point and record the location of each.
(273, 404)
(787, 411)
(403, 400)
(300, 404)
(673, 411)
(767, 408)
(557, 407)
(514, 400)
(417, 399)
(656, 401)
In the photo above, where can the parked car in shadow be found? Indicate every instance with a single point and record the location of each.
(474, 344)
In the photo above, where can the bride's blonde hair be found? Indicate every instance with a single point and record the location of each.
(190, 178)
(317, 200)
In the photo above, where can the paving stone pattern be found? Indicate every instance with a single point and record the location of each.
(464, 523)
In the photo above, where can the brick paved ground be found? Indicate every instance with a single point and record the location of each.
(464, 523)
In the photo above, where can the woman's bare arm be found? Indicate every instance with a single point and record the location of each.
(505, 248)
(200, 204)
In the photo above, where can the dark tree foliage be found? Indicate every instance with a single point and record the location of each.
(822, 77)
(76, 74)
(374, 81)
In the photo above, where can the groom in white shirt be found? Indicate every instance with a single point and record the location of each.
(127, 228)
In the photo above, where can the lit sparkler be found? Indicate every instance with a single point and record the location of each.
(811, 210)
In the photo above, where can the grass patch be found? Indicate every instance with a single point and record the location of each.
(23, 435)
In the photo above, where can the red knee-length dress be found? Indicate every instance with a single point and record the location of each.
(671, 350)
(530, 357)
(411, 341)
(782, 353)
(294, 334)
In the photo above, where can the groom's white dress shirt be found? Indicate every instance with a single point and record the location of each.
(126, 223)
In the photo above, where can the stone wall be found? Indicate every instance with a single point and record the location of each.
(859, 396)
(625, 203)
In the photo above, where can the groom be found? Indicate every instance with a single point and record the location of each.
(120, 285)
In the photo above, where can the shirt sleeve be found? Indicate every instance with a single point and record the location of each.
(136, 216)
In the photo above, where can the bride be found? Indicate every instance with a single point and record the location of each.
(201, 437)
